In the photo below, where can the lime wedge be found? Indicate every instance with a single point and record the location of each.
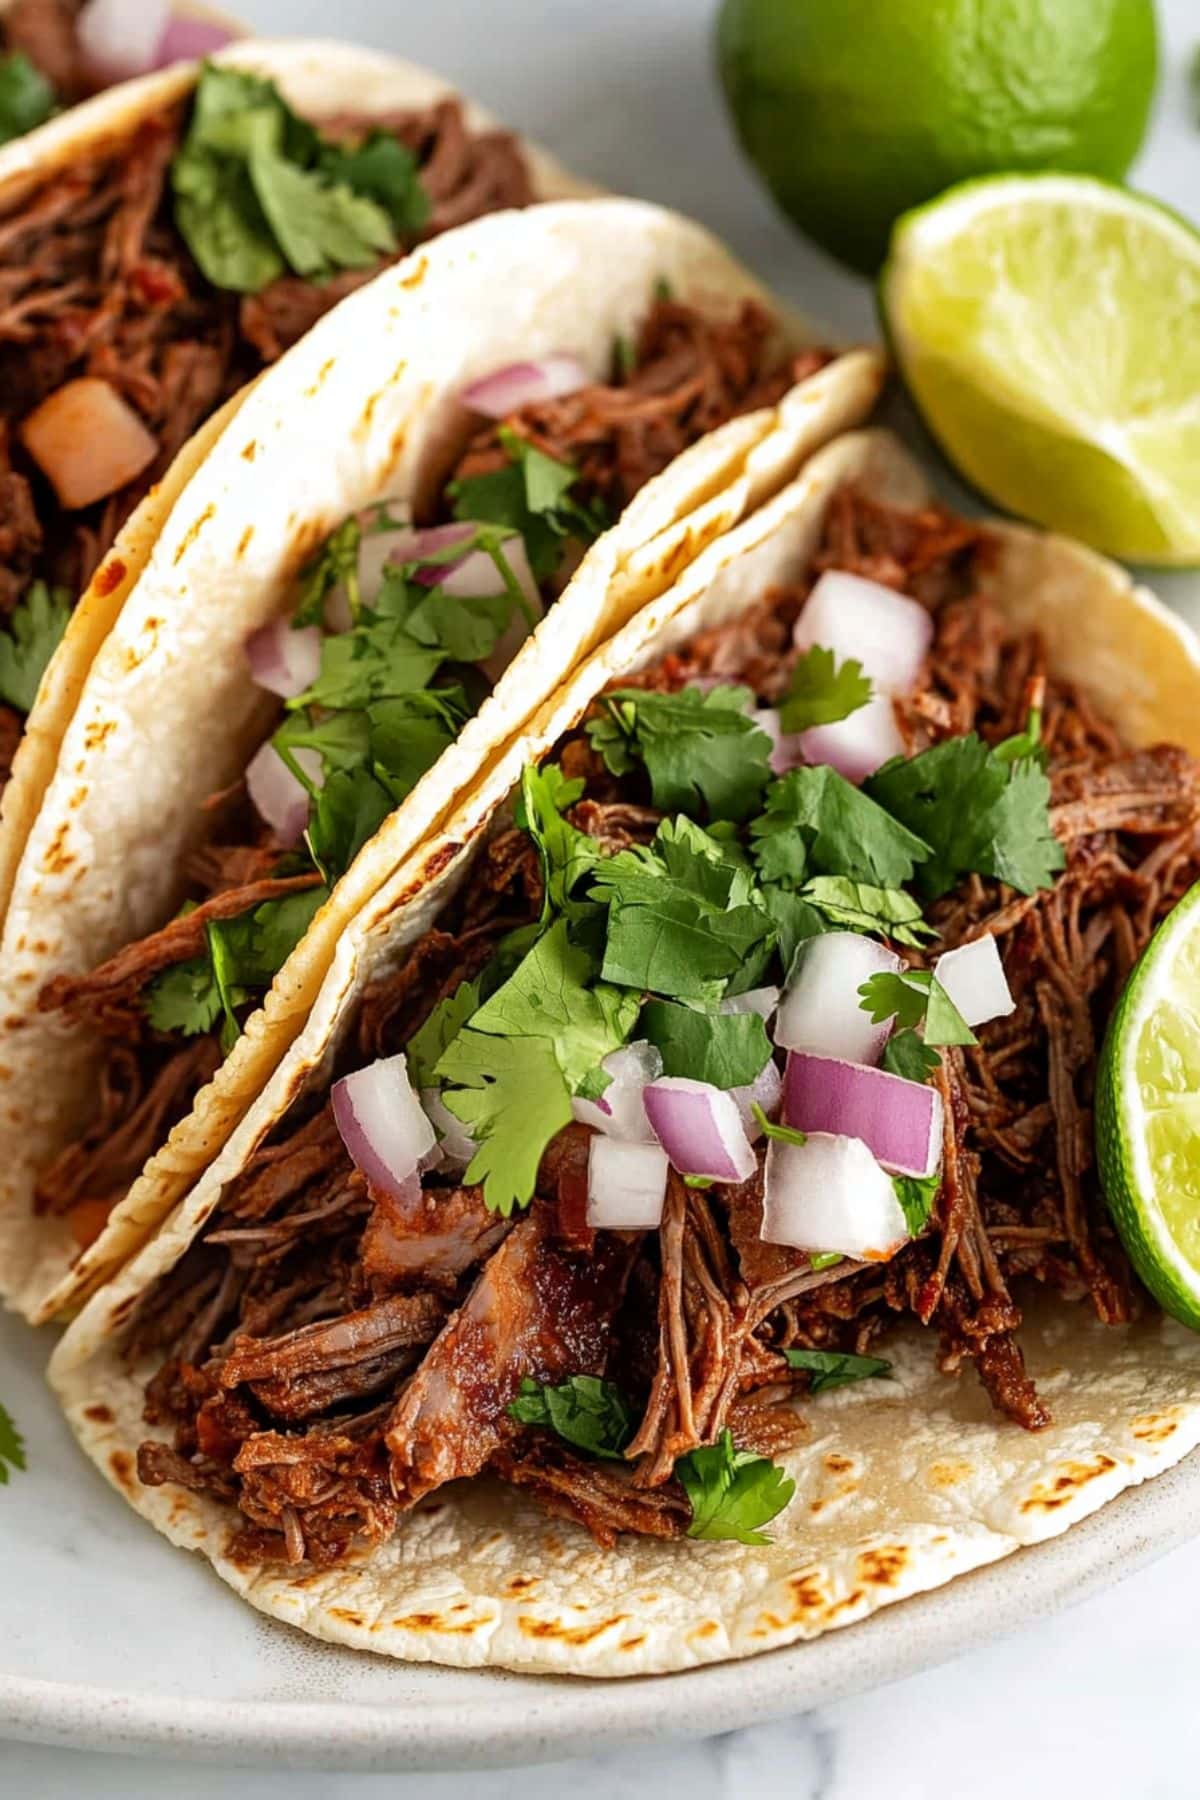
(1148, 1113)
(1048, 327)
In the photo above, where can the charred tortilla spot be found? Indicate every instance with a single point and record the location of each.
(193, 532)
(416, 274)
(948, 1474)
(520, 1584)
(109, 576)
(121, 1464)
(837, 1464)
(322, 374)
(1071, 1479)
(244, 542)
(96, 732)
(633, 1643)
(440, 1623)
(57, 859)
(883, 1566)
(99, 1415)
(709, 1628)
(250, 451)
(347, 1613)
(575, 1635)
(1155, 1427)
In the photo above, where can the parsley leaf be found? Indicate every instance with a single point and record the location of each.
(915, 997)
(430, 1041)
(916, 1194)
(564, 853)
(979, 813)
(822, 691)
(592, 1414)
(732, 1492)
(12, 1447)
(697, 748)
(905, 1054)
(856, 906)
(817, 823)
(35, 626)
(727, 1049)
(26, 97)
(513, 1100)
(834, 1368)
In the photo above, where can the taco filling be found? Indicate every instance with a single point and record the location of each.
(767, 1020)
(399, 633)
(144, 286)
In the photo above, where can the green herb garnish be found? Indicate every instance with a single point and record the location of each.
(830, 1369)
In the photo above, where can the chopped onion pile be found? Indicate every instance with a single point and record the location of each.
(821, 1011)
(455, 1146)
(830, 1194)
(974, 978)
(620, 1111)
(123, 38)
(87, 441)
(282, 660)
(382, 1124)
(857, 745)
(700, 1128)
(276, 795)
(886, 632)
(899, 1121)
(506, 390)
(627, 1184)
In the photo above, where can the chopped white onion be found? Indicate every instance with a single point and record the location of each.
(765, 1092)
(87, 440)
(787, 752)
(899, 1121)
(381, 1122)
(455, 1142)
(121, 38)
(276, 795)
(700, 1128)
(821, 1010)
(619, 1112)
(830, 1194)
(974, 978)
(857, 745)
(378, 545)
(414, 545)
(284, 661)
(762, 1001)
(524, 383)
(886, 632)
(187, 40)
(627, 1184)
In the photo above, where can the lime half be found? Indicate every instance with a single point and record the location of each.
(1148, 1113)
(1048, 327)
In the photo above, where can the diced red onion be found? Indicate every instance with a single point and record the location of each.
(857, 745)
(524, 383)
(378, 545)
(974, 978)
(627, 1184)
(276, 795)
(762, 1001)
(382, 1124)
(886, 632)
(188, 40)
(787, 751)
(700, 1128)
(619, 1112)
(821, 1010)
(830, 1194)
(413, 545)
(899, 1121)
(765, 1092)
(121, 38)
(455, 1143)
(284, 661)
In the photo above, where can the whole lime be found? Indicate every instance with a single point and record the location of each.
(856, 110)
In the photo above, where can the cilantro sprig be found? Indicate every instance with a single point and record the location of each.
(915, 997)
(821, 690)
(532, 494)
(12, 1447)
(35, 628)
(584, 1410)
(697, 748)
(732, 1492)
(829, 1369)
(26, 97)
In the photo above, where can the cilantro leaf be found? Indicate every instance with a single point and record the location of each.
(530, 495)
(184, 999)
(409, 732)
(430, 1041)
(979, 813)
(26, 97)
(916, 1195)
(378, 660)
(566, 855)
(513, 1099)
(35, 626)
(915, 997)
(243, 956)
(319, 225)
(727, 1049)
(592, 1414)
(815, 822)
(795, 920)
(834, 1368)
(676, 945)
(334, 565)
(698, 749)
(341, 739)
(857, 906)
(12, 1446)
(385, 170)
(732, 1492)
(347, 813)
(905, 1054)
(821, 691)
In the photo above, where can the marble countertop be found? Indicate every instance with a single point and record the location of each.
(1091, 1700)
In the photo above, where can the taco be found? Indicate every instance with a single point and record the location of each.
(148, 278)
(289, 598)
(540, 1314)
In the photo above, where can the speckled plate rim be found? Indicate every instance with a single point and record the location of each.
(559, 1716)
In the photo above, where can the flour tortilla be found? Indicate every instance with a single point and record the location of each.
(901, 1484)
(364, 406)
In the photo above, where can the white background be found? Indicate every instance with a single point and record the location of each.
(1101, 1700)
